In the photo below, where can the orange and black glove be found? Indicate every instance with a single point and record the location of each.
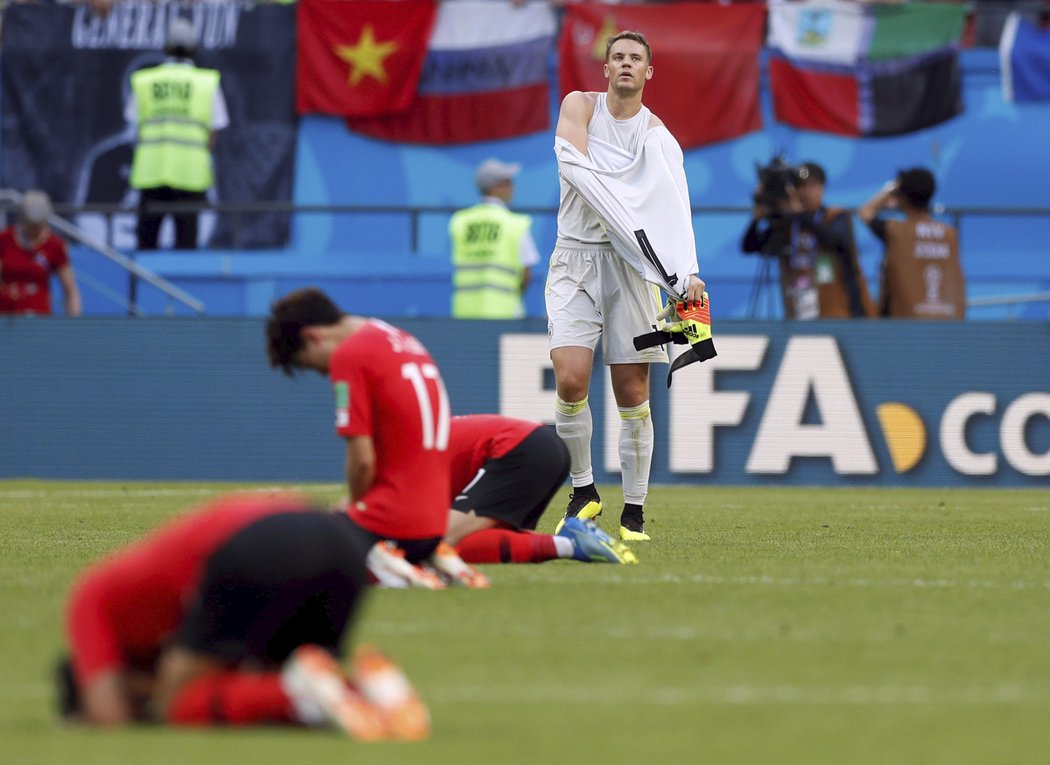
(689, 323)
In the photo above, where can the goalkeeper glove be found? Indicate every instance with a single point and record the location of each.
(690, 323)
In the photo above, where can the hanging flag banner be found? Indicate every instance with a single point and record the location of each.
(359, 58)
(865, 69)
(484, 76)
(1024, 55)
(66, 77)
(705, 62)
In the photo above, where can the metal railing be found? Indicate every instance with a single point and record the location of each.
(237, 210)
(10, 199)
(1011, 301)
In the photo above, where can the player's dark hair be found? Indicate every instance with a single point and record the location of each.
(627, 34)
(307, 307)
(68, 694)
(917, 186)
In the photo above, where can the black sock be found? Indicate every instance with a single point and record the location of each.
(631, 512)
(590, 491)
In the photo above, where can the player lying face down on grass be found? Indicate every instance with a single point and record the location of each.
(504, 473)
(233, 614)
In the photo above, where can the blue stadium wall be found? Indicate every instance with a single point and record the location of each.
(994, 155)
(835, 403)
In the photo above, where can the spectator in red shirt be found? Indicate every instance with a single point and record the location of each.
(504, 473)
(393, 411)
(30, 253)
(233, 614)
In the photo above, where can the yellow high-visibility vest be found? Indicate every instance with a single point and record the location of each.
(486, 261)
(174, 112)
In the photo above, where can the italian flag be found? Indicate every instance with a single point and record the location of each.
(865, 69)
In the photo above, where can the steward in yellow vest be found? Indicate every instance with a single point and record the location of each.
(176, 107)
(174, 116)
(492, 250)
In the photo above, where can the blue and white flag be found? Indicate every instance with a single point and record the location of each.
(1024, 55)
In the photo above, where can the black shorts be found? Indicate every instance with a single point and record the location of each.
(279, 583)
(415, 549)
(517, 487)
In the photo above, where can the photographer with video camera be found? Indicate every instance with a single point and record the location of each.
(820, 275)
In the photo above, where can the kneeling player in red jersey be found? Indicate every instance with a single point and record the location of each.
(504, 473)
(393, 411)
(233, 614)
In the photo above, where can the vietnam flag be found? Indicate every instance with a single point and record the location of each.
(360, 58)
(484, 77)
(705, 62)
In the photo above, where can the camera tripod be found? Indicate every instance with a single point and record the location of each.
(765, 289)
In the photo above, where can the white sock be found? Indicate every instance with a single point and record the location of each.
(296, 687)
(564, 547)
(572, 420)
(636, 451)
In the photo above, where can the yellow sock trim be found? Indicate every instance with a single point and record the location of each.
(639, 412)
(569, 408)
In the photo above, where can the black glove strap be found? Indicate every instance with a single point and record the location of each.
(702, 351)
(659, 337)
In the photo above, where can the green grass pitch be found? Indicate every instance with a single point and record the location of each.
(762, 626)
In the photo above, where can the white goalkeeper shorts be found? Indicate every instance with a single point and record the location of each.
(592, 294)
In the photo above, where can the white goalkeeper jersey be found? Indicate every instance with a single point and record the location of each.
(642, 206)
(578, 227)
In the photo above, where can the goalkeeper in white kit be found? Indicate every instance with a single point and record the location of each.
(624, 233)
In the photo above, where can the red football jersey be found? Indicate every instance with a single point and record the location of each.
(388, 387)
(123, 609)
(477, 438)
(25, 272)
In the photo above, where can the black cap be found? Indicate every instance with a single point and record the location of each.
(916, 185)
(809, 170)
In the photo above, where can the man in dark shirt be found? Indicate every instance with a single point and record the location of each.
(820, 275)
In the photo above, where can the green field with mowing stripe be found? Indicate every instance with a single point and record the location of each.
(762, 626)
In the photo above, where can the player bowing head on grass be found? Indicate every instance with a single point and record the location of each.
(504, 473)
(233, 614)
(392, 409)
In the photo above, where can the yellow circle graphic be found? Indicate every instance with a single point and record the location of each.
(904, 432)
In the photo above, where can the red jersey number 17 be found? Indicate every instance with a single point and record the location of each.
(435, 428)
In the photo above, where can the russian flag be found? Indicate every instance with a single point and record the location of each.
(484, 76)
(1024, 53)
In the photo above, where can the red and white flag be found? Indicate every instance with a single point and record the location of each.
(360, 57)
(705, 62)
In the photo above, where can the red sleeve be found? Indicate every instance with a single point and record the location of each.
(57, 253)
(351, 382)
(93, 637)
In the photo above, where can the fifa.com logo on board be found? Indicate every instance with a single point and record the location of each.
(811, 374)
